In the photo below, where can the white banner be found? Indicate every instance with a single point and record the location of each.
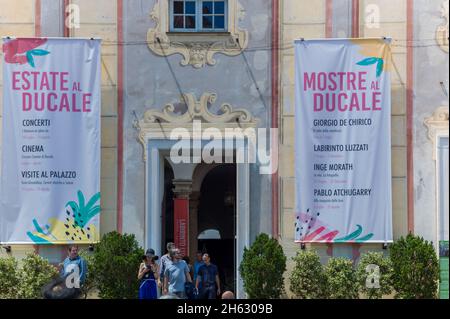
(343, 140)
(50, 180)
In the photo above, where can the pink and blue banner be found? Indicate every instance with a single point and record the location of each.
(343, 141)
(50, 179)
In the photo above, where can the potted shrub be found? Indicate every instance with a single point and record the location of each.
(89, 283)
(262, 268)
(33, 275)
(374, 274)
(116, 262)
(9, 278)
(416, 268)
(308, 280)
(341, 279)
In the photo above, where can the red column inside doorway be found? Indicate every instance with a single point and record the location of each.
(181, 225)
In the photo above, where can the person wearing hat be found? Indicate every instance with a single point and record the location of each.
(148, 275)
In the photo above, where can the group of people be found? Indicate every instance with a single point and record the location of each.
(173, 274)
(177, 278)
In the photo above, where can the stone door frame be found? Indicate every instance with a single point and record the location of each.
(154, 190)
(154, 135)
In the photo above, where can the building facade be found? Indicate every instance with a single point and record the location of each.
(223, 65)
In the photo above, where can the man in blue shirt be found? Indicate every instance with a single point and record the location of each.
(176, 275)
(74, 263)
(208, 276)
(198, 263)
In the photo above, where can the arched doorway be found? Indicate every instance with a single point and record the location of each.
(217, 221)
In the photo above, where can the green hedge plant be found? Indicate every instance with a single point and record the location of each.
(308, 280)
(9, 278)
(89, 283)
(34, 274)
(262, 268)
(416, 268)
(341, 279)
(374, 274)
(115, 266)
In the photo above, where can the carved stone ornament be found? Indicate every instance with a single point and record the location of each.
(437, 124)
(197, 48)
(159, 124)
(442, 30)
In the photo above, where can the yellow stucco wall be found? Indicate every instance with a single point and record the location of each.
(99, 19)
(298, 19)
(16, 18)
(393, 24)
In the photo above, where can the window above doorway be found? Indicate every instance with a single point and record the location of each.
(198, 16)
(197, 29)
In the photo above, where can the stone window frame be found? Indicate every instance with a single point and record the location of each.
(197, 48)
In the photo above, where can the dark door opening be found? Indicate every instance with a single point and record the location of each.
(217, 222)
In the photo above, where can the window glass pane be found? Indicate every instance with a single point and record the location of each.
(219, 22)
(212, 14)
(178, 7)
(190, 7)
(207, 22)
(219, 7)
(190, 22)
(207, 7)
(178, 22)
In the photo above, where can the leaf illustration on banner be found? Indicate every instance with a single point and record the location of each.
(35, 52)
(63, 232)
(351, 236)
(83, 213)
(368, 61)
(30, 58)
(74, 228)
(39, 52)
(38, 239)
(373, 60)
(365, 238)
